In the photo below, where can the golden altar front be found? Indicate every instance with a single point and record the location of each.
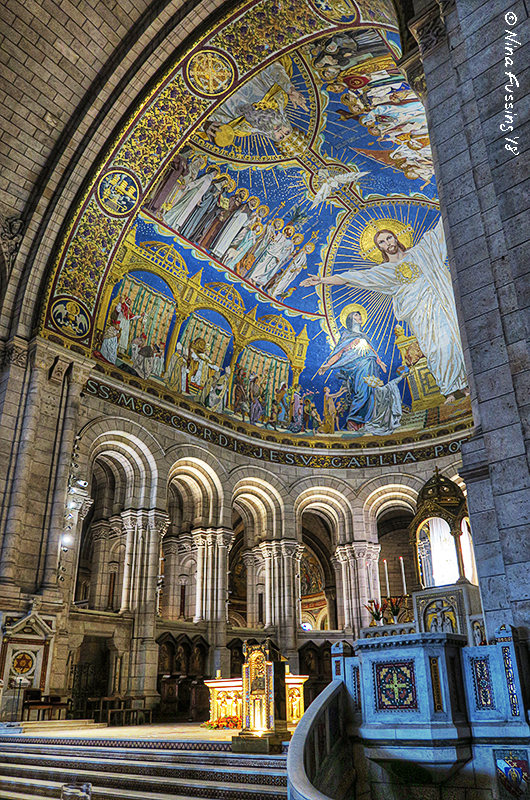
(226, 698)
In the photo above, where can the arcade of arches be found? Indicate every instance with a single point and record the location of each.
(264, 329)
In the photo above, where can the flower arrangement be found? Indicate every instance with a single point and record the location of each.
(394, 605)
(376, 610)
(223, 722)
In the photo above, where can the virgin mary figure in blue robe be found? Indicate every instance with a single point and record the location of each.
(360, 367)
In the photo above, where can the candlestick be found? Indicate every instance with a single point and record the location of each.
(403, 576)
(386, 578)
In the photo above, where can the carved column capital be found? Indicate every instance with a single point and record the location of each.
(249, 559)
(171, 545)
(159, 522)
(100, 530)
(266, 550)
(412, 67)
(291, 549)
(14, 352)
(428, 28)
(225, 538)
(132, 519)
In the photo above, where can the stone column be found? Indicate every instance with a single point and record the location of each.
(372, 565)
(365, 556)
(77, 507)
(483, 185)
(218, 627)
(76, 380)
(130, 523)
(291, 553)
(16, 507)
(456, 533)
(337, 567)
(252, 597)
(199, 542)
(149, 531)
(343, 558)
(99, 579)
(331, 602)
(266, 550)
(171, 590)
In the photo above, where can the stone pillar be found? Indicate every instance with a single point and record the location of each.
(224, 539)
(99, 579)
(337, 567)
(76, 380)
(483, 185)
(456, 533)
(130, 523)
(213, 546)
(266, 550)
(358, 562)
(199, 542)
(291, 553)
(148, 533)
(342, 558)
(372, 566)
(77, 507)
(16, 507)
(171, 590)
(250, 562)
(331, 601)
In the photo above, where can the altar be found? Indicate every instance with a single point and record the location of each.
(226, 698)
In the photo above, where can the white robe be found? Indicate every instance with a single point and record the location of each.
(190, 198)
(278, 252)
(298, 263)
(422, 296)
(237, 222)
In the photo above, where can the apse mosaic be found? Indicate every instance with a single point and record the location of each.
(264, 242)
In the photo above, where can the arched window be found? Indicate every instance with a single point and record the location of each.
(437, 553)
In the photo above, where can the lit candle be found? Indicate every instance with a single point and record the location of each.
(386, 578)
(403, 575)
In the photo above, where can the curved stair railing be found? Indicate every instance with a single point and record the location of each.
(320, 758)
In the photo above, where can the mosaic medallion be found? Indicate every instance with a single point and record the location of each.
(118, 193)
(23, 663)
(210, 73)
(395, 684)
(70, 318)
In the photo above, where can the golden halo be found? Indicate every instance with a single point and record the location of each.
(253, 201)
(298, 238)
(258, 227)
(243, 192)
(224, 136)
(231, 185)
(309, 247)
(73, 308)
(288, 228)
(368, 248)
(278, 223)
(347, 310)
(262, 211)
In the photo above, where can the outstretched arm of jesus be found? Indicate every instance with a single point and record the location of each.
(314, 280)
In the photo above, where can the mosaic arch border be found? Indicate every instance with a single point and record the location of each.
(169, 114)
